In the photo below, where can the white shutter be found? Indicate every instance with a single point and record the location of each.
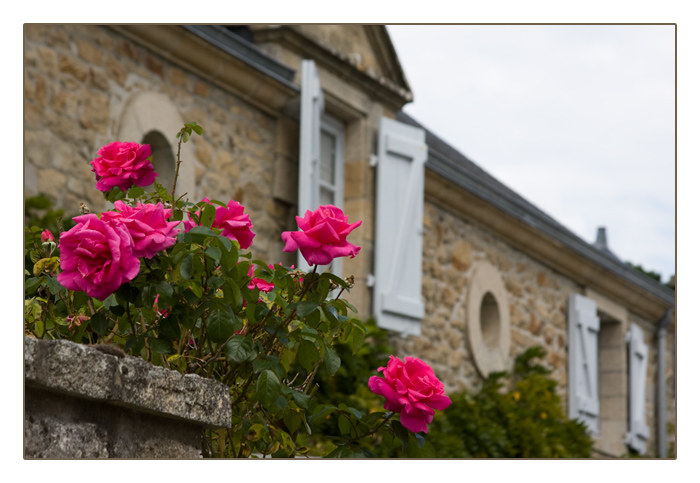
(584, 324)
(398, 266)
(309, 143)
(638, 358)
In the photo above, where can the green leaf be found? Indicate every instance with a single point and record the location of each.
(400, 432)
(281, 402)
(54, 285)
(292, 420)
(307, 354)
(207, 215)
(332, 361)
(268, 388)
(115, 194)
(186, 266)
(201, 231)
(31, 284)
(185, 136)
(358, 339)
(213, 253)
(98, 323)
(301, 399)
(166, 290)
(198, 129)
(220, 325)
(160, 346)
(239, 349)
(110, 301)
(136, 191)
(214, 282)
(225, 242)
(232, 294)
(344, 425)
(305, 308)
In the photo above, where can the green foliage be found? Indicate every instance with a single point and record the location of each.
(39, 211)
(525, 421)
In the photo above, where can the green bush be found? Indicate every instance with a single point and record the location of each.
(525, 421)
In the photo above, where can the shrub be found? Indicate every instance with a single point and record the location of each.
(525, 421)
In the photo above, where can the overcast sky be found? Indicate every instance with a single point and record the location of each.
(577, 119)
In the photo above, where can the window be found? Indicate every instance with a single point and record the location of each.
(330, 179)
(321, 147)
(488, 319)
(163, 159)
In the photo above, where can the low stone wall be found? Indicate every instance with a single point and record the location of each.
(95, 402)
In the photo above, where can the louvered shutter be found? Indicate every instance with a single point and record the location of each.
(309, 142)
(584, 325)
(638, 358)
(402, 153)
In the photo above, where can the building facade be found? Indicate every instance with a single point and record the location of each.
(463, 271)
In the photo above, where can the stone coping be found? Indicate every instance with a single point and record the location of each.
(105, 374)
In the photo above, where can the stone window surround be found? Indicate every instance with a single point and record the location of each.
(148, 111)
(488, 319)
(612, 372)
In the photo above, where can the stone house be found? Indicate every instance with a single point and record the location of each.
(464, 272)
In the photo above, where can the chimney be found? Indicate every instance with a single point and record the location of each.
(601, 243)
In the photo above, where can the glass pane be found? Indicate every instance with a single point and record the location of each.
(327, 196)
(327, 157)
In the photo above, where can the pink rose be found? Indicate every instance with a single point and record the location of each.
(96, 257)
(234, 224)
(323, 236)
(262, 285)
(47, 236)
(123, 165)
(147, 226)
(410, 389)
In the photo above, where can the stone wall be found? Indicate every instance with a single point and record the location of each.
(88, 402)
(80, 80)
(537, 297)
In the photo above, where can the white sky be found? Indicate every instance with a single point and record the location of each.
(577, 119)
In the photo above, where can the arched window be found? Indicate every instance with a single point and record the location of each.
(152, 118)
(163, 158)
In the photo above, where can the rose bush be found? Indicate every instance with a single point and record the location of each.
(323, 236)
(192, 300)
(123, 165)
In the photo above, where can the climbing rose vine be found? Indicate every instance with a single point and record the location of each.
(169, 280)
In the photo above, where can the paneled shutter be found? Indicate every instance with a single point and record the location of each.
(638, 358)
(584, 325)
(402, 153)
(309, 143)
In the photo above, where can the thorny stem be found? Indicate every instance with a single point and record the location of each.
(177, 167)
